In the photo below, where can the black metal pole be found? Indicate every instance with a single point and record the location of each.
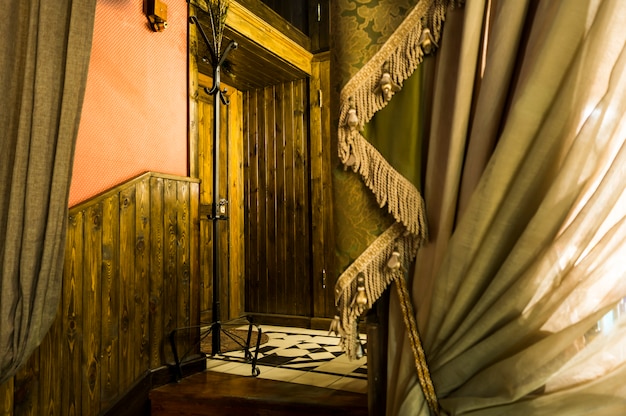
(217, 203)
(216, 214)
(216, 349)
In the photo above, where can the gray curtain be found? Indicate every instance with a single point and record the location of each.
(44, 56)
(520, 291)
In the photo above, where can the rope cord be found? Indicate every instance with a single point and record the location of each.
(384, 261)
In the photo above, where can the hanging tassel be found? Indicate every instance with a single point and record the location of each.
(350, 162)
(364, 281)
(394, 261)
(386, 86)
(427, 41)
(361, 298)
(353, 120)
(359, 348)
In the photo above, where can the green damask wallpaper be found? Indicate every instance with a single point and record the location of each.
(359, 28)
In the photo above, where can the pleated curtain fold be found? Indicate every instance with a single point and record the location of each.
(44, 57)
(519, 290)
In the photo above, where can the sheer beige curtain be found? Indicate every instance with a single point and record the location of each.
(519, 291)
(44, 55)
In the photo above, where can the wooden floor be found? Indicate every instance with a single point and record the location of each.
(213, 393)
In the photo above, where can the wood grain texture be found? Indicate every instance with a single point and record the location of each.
(205, 169)
(157, 273)
(319, 26)
(230, 231)
(51, 349)
(142, 278)
(170, 246)
(91, 309)
(182, 281)
(251, 26)
(329, 156)
(278, 210)
(303, 209)
(6, 398)
(72, 315)
(263, 138)
(127, 284)
(281, 277)
(278, 14)
(251, 192)
(27, 387)
(226, 394)
(113, 318)
(110, 288)
(317, 189)
(271, 203)
(194, 263)
(322, 235)
(265, 40)
(223, 229)
(236, 205)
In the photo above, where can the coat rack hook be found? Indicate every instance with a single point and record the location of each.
(217, 60)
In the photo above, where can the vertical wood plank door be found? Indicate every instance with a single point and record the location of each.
(230, 231)
(321, 151)
(277, 230)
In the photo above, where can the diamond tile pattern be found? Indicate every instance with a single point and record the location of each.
(301, 356)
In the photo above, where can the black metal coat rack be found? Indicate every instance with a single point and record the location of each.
(219, 206)
(218, 213)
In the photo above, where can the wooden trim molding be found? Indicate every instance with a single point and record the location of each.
(131, 181)
(249, 25)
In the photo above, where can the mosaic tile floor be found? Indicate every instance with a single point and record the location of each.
(302, 356)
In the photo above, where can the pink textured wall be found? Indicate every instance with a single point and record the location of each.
(134, 116)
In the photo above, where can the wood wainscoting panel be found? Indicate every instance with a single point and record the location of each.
(128, 281)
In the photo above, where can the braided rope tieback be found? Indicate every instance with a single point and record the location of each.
(362, 283)
(383, 262)
(423, 373)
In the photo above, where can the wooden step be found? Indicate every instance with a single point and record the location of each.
(223, 394)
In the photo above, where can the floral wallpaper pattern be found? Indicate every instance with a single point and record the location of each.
(359, 29)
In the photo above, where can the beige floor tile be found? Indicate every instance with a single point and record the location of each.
(241, 369)
(329, 374)
(337, 368)
(226, 366)
(281, 374)
(316, 379)
(350, 384)
(345, 359)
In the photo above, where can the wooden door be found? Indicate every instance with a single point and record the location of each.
(277, 196)
(322, 154)
(230, 231)
(288, 200)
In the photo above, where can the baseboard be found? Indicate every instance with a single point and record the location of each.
(294, 321)
(166, 374)
(280, 320)
(321, 323)
(136, 402)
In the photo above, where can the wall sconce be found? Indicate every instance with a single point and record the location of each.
(156, 11)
